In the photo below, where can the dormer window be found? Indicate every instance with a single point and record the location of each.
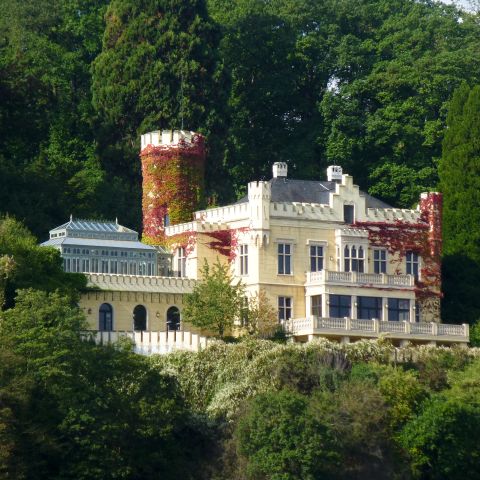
(349, 214)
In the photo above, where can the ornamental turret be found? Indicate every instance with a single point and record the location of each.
(173, 171)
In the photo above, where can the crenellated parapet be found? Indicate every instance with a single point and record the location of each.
(393, 215)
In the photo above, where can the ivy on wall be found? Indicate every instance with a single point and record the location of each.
(173, 185)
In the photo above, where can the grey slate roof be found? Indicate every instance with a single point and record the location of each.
(308, 191)
(93, 226)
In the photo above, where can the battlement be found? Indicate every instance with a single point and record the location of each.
(393, 215)
(229, 213)
(166, 137)
(259, 190)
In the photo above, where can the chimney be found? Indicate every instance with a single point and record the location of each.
(280, 169)
(334, 173)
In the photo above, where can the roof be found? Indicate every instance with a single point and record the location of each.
(307, 191)
(94, 242)
(93, 226)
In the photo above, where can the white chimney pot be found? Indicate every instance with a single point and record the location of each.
(280, 169)
(334, 173)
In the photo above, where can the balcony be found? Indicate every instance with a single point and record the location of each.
(324, 277)
(349, 327)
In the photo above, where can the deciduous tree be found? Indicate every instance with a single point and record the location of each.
(216, 301)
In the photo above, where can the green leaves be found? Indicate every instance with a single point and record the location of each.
(215, 302)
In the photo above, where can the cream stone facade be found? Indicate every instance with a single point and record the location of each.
(332, 260)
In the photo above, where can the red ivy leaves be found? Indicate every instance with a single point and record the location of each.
(173, 185)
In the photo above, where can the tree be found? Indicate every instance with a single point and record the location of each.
(48, 162)
(282, 440)
(393, 78)
(260, 317)
(441, 441)
(157, 70)
(216, 302)
(27, 265)
(71, 409)
(459, 172)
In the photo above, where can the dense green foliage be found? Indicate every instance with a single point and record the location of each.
(26, 265)
(69, 409)
(360, 83)
(252, 410)
(323, 410)
(459, 172)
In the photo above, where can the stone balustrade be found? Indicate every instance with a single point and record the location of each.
(347, 327)
(150, 343)
(356, 278)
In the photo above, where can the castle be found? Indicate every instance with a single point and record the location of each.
(334, 261)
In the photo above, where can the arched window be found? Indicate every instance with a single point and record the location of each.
(173, 319)
(105, 317)
(139, 318)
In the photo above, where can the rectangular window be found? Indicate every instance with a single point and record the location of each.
(379, 261)
(75, 265)
(340, 306)
(316, 305)
(181, 262)
(104, 266)
(316, 258)
(284, 259)
(398, 310)
(243, 259)
(284, 308)
(133, 268)
(412, 264)
(85, 265)
(417, 312)
(67, 264)
(349, 213)
(354, 259)
(94, 265)
(369, 307)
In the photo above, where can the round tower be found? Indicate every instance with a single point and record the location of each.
(173, 171)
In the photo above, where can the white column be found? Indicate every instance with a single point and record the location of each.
(384, 309)
(308, 306)
(353, 308)
(325, 312)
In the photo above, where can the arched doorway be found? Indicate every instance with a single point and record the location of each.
(173, 319)
(105, 317)
(139, 318)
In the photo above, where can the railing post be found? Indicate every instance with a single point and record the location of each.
(407, 326)
(384, 279)
(354, 277)
(376, 325)
(434, 329)
(466, 330)
(348, 324)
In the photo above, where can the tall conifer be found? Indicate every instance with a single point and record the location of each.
(459, 172)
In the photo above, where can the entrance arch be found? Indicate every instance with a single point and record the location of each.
(173, 319)
(105, 317)
(139, 318)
